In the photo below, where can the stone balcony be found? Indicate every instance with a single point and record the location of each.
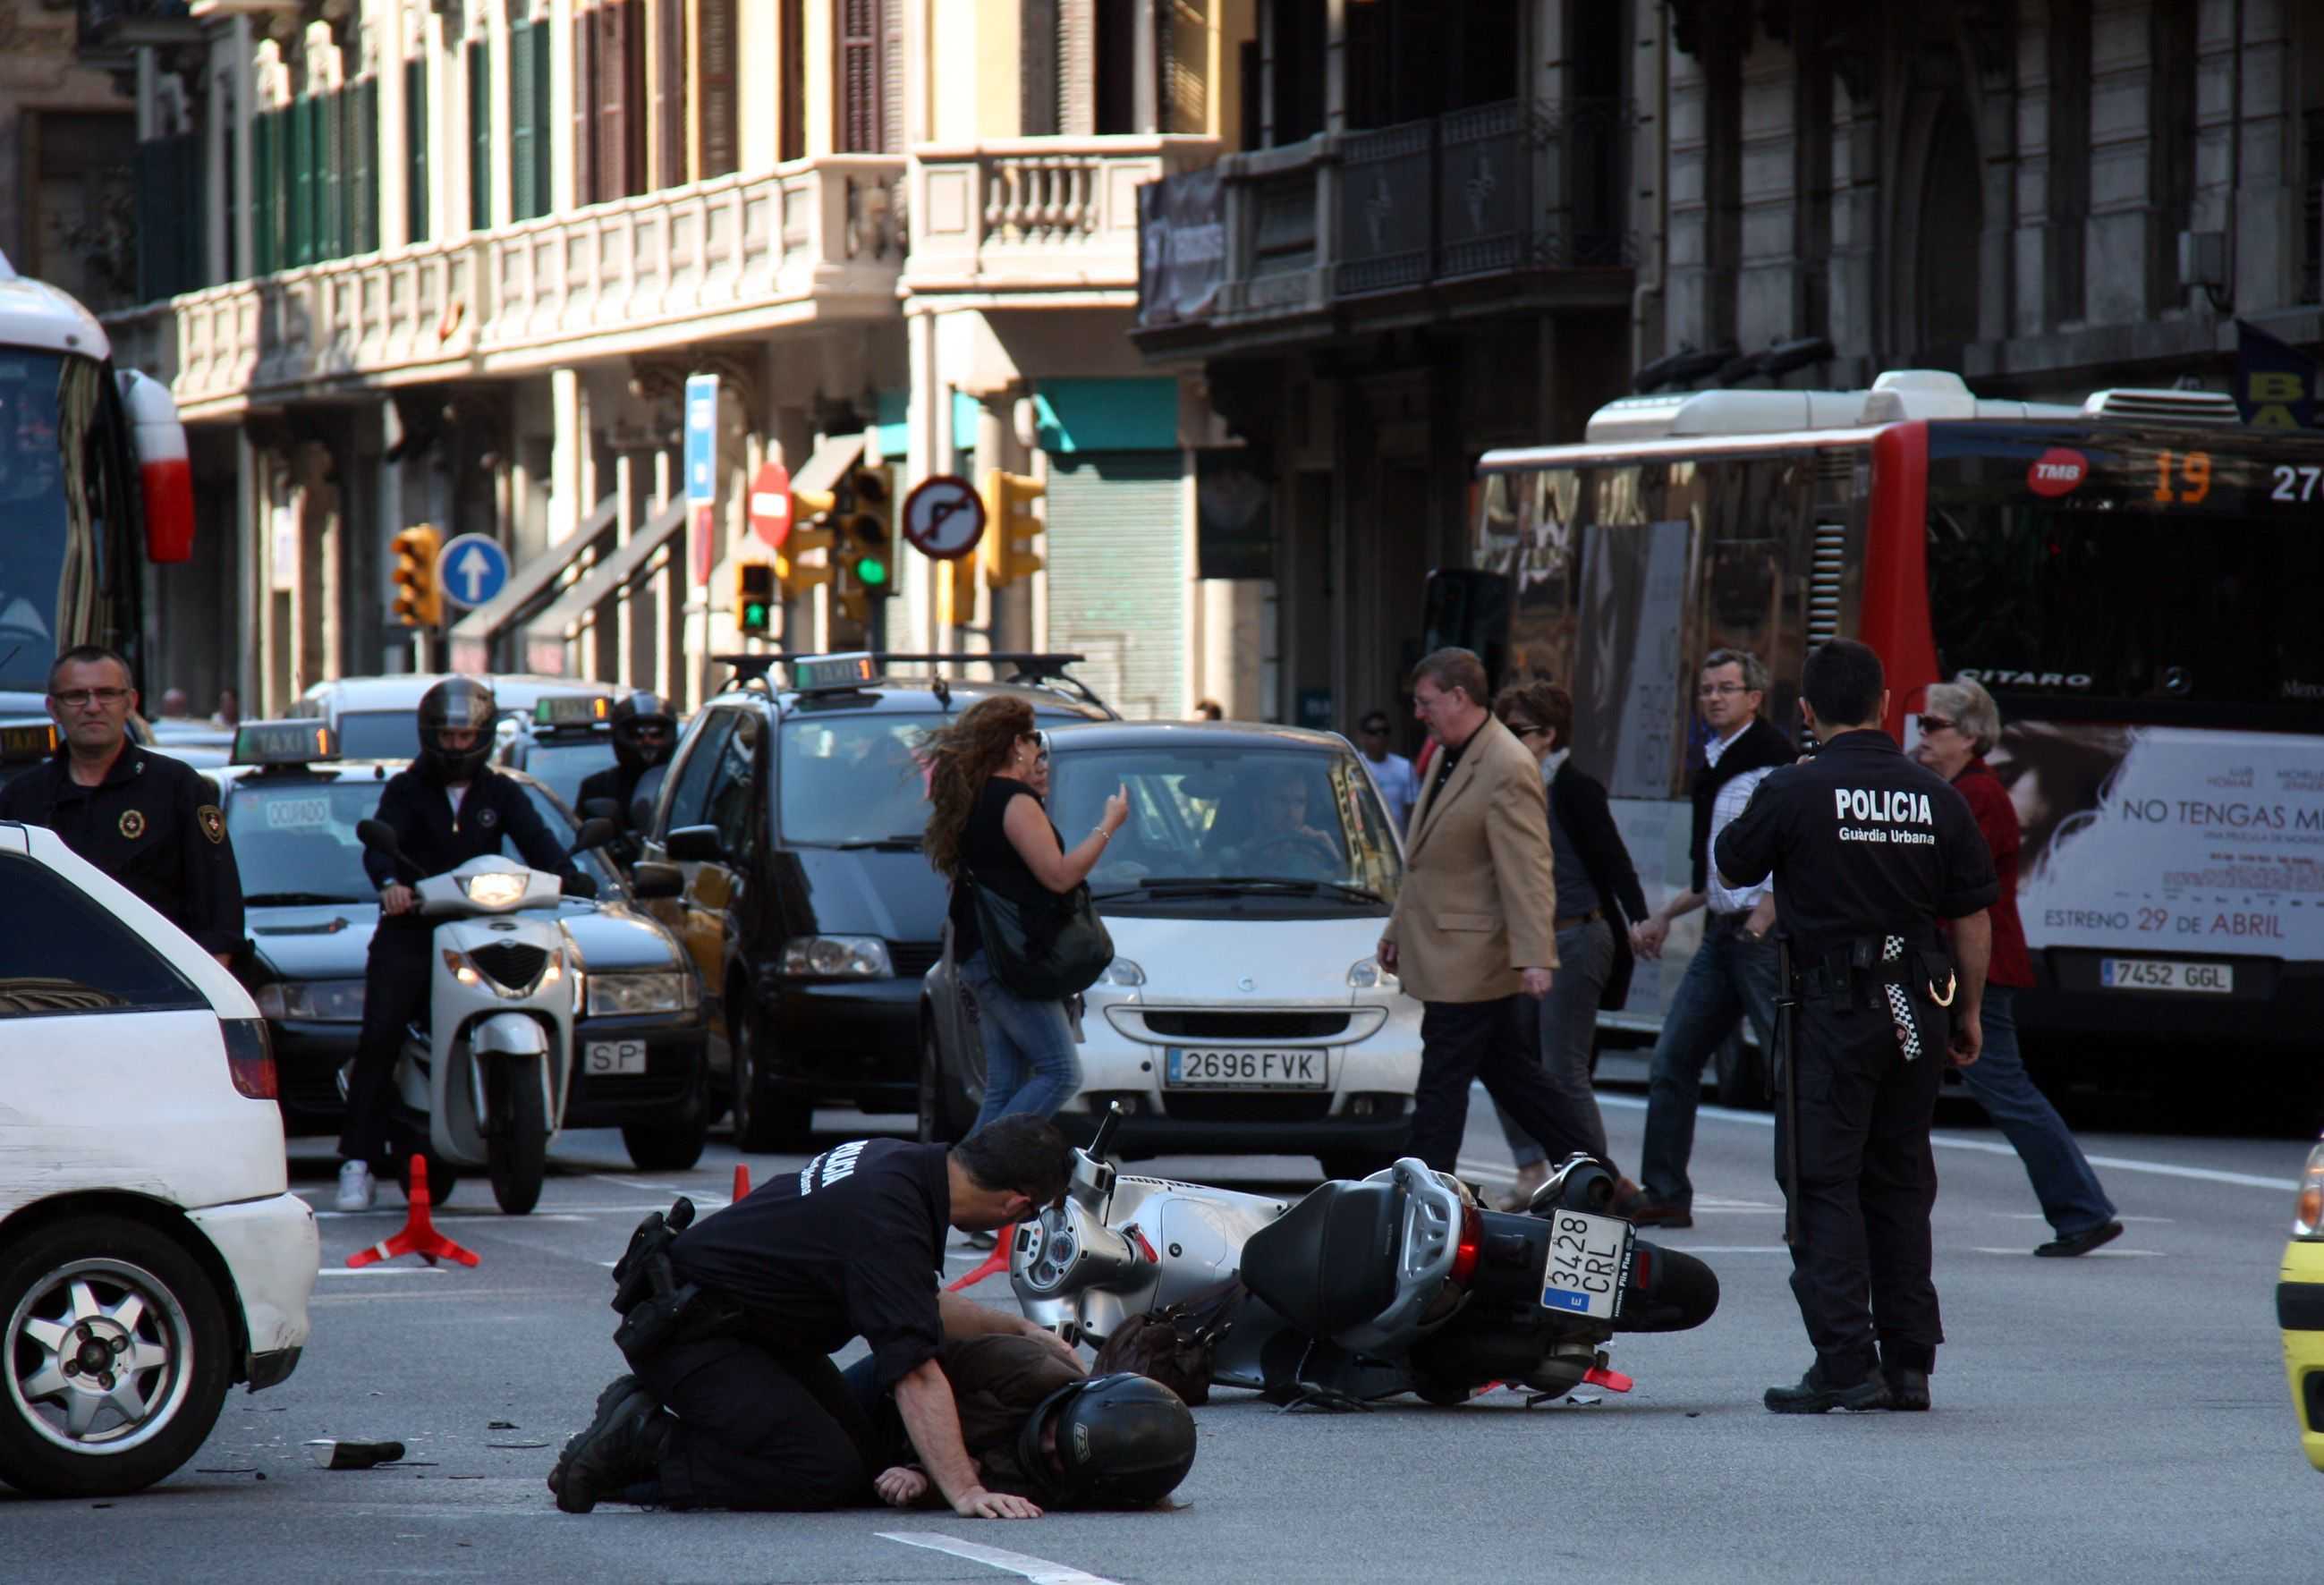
(738, 255)
(1052, 217)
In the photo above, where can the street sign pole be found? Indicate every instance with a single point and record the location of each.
(702, 502)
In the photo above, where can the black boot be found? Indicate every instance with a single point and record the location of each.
(1908, 1387)
(621, 1448)
(1813, 1395)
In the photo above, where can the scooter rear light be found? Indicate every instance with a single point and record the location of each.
(249, 1058)
(1472, 1245)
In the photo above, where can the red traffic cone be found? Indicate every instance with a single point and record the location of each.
(996, 1261)
(742, 1182)
(419, 1236)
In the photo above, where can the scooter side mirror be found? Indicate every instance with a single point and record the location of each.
(378, 836)
(595, 834)
(695, 845)
(649, 880)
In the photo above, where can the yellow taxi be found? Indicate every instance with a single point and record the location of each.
(2300, 1309)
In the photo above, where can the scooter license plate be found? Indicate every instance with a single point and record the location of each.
(615, 1056)
(1186, 1069)
(1589, 1264)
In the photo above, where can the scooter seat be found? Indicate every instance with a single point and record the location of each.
(1328, 1262)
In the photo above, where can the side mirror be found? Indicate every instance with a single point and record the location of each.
(595, 834)
(600, 809)
(695, 845)
(165, 473)
(649, 880)
(378, 836)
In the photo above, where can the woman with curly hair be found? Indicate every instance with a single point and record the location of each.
(987, 824)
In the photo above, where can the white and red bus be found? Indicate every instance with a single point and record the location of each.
(2138, 580)
(94, 482)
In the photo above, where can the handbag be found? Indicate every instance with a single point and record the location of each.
(1045, 950)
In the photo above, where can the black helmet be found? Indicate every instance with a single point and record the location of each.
(1123, 1441)
(640, 708)
(455, 703)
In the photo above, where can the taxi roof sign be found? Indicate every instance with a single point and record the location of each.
(833, 672)
(30, 741)
(569, 710)
(284, 742)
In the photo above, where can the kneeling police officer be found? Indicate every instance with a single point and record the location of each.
(735, 1402)
(1868, 851)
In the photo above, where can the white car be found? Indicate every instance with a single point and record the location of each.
(151, 1256)
(1244, 1012)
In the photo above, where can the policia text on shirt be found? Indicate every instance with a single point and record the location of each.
(1868, 852)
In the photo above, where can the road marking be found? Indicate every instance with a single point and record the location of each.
(1728, 1249)
(1037, 1570)
(381, 1271)
(2037, 1216)
(2093, 1255)
(560, 1213)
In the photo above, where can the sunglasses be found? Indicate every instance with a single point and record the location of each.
(1929, 724)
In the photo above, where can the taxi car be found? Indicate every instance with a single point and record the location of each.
(563, 740)
(1244, 1012)
(136, 1285)
(378, 717)
(795, 813)
(2299, 1308)
(292, 807)
(24, 744)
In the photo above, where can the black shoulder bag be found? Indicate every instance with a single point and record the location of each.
(1044, 950)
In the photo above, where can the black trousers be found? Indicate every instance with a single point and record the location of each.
(395, 992)
(760, 1429)
(1461, 1041)
(1867, 1180)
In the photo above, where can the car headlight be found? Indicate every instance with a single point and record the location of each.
(1368, 975)
(1124, 973)
(836, 957)
(496, 889)
(614, 996)
(320, 1002)
(2308, 1217)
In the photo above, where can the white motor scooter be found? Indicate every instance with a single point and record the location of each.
(489, 1081)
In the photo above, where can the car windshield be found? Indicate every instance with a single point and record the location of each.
(565, 765)
(1224, 818)
(851, 779)
(295, 841)
(379, 734)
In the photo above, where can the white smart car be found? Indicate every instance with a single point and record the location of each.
(149, 1255)
(1244, 1012)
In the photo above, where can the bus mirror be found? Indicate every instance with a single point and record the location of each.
(165, 475)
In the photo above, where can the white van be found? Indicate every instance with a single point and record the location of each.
(151, 1256)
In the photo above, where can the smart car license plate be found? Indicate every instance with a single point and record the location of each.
(615, 1056)
(1188, 1069)
(2163, 974)
(1589, 1264)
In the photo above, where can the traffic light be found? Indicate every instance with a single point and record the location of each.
(1010, 527)
(866, 538)
(419, 602)
(810, 529)
(754, 598)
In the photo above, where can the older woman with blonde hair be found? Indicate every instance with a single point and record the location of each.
(988, 826)
(1958, 726)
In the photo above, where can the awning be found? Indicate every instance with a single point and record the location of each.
(472, 634)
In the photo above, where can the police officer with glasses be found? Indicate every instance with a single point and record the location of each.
(1868, 851)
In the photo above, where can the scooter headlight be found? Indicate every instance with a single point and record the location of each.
(462, 969)
(496, 889)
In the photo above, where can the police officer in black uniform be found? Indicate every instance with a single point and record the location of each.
(1868, 851)
(644, 730)
(764, 1291)
(450, 806)
(148, 821)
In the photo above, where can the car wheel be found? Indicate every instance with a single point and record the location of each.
(115, 1358)
(1737, 1075)
(1354, 1164)
(671, 1145)
(762, 1122)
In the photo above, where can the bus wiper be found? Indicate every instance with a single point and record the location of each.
(294, 900)
(910, 842)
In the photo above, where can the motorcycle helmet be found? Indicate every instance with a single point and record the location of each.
(1120, 1440)
(455, 703)
(634, 713)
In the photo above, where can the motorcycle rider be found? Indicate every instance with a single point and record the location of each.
(645, 732)
(448, 807)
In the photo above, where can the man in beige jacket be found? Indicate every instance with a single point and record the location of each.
(1474, 926)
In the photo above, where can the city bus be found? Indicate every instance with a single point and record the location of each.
(94, 481)
(2135, 581)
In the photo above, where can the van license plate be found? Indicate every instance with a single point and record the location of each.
(2162, 974)
(1245, 1070)
(1589, 1264)
(615, 1056)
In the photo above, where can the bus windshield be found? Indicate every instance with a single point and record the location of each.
(62, 496)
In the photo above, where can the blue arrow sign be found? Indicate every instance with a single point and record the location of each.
(470, 569)
(701, 439)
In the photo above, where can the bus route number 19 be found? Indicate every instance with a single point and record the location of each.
(1588, 1259)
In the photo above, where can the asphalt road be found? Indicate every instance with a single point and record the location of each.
(2120, 1417)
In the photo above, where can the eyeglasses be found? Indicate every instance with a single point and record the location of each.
(1929, 724)
(1526, 729)
(1372, 729)
(81, 698)
(1712, 690)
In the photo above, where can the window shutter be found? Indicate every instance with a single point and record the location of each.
(362, 166)
(303, 197)
(617, 80)
(860, 74)
(792, 144)
(670, 93)
(415, 149)
(585, 182)
(1186, 67)
(892, 76)
(332, 165)
(541, 41)
(263, 190)
(523, 106)
(716, 76)
(480, 136)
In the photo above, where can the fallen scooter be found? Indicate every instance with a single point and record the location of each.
(1360, 1291)
(485, 1083)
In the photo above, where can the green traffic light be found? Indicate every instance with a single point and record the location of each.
(754, 614)
(871, 572)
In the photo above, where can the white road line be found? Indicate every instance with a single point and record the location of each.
(382, 1270)
(1038, 1571)
(560, 1213)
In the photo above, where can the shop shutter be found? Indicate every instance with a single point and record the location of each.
(1116, 553)
(585, 110)
(415, 149)
(716, 76)
(362, 145)
(480, 136)
(861, 71)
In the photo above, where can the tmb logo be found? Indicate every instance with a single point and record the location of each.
(2057, 471)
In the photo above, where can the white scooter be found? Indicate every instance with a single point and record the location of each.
(489, 1081)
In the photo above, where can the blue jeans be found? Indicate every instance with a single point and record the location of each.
(1029, 1061)
(2060, 1174)
(1729, 979)
(1566, 1020)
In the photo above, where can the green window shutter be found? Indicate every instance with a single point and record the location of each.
(302, 185)
(528, 142)
(331, 230)
(362, 145)
(266, 192)
(480, 136)
(415, 150)
(543, 35)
